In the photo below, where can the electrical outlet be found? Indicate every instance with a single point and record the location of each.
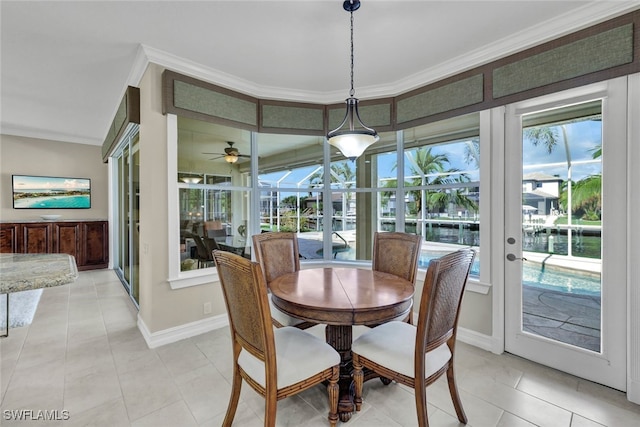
(206, 308)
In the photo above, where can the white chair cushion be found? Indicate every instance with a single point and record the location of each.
(299, 355)
(282, 318)
(392, 345)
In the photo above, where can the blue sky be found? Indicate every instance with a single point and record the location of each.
(583, 138)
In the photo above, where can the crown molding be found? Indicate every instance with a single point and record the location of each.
(11, 130)
(590, 14)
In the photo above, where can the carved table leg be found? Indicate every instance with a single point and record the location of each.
(339, 337)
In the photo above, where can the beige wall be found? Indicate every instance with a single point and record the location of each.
(476, 314)
(162, 308)
(29, 156)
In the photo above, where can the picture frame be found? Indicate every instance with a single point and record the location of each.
(50, 192)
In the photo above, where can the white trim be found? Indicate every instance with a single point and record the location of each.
(138, 68)
(173, 204)
(476, 339)
(633, 244)
(27, 132)
(194, 278)
(492, 128)
(111, 212)
(188, 330)
(608, 367)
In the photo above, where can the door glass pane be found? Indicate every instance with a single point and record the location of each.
(562, 224)
(135, 219)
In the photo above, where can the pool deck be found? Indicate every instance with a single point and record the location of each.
(569, 318)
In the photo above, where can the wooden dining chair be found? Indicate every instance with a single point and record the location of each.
(397, 253)
(278, 254)
(416, 356)
(277, 363)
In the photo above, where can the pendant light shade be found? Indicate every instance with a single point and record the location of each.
(352, 137)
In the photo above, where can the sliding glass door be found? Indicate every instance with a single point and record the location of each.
(126, 211)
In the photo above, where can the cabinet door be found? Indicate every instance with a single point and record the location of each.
(36, 238)
(67, 239)
(9, 234)
(95, 253)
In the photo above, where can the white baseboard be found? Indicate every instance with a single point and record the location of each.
(188, 330)
(475, 339)
(633, 391)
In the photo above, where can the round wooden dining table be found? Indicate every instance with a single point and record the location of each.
(342, 298)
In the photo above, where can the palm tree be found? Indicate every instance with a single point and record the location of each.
(587, 200)
(429, 169)
(340, 172)
(472, 152)
(589, 188)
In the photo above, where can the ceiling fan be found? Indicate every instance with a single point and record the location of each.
(230, 155)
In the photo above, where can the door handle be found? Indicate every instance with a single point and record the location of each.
(512, 257)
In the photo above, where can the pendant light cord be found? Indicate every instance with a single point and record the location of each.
(352, 91)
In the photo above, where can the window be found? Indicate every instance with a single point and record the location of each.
(423, 180)
(214, 184)
(290, 181)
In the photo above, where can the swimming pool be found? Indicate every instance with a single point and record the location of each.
(533, 274)
(542, 276)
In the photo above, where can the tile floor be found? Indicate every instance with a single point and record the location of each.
(83, 355)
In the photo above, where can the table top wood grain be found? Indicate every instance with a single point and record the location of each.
(342, 296)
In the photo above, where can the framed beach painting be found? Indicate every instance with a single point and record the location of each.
(49, 192)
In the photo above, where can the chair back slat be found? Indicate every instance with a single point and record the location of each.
(396, 253)
(277, 253)
(245, 296)
(440, 302)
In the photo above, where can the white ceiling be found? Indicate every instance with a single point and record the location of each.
(65, 64)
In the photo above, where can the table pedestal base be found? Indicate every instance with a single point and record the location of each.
(339, 337)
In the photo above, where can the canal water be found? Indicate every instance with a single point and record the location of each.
(583, 245)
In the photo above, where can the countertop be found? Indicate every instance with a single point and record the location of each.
(22, 272)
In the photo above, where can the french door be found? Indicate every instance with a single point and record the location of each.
(565, 219)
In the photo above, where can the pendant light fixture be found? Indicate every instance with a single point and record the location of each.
(352, 137)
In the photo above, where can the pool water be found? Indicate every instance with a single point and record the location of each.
(533, 274)
(541, 276)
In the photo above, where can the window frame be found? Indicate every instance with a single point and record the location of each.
(181, 279)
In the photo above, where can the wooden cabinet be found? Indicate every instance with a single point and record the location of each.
(68, 239)
(9, 238)
(95, 249)
(87, 241)
(36, 238)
